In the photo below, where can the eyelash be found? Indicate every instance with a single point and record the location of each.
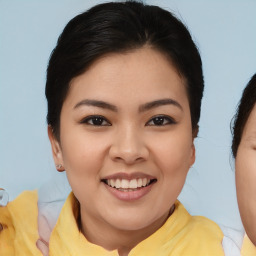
(163, 119)
(97, 120)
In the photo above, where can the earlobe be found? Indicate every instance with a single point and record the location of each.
(56, 150)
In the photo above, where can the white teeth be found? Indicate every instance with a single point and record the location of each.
(133, 184)
(144, 182)
(112, 183)
(128, 184)
(118, 183)
(125, 183)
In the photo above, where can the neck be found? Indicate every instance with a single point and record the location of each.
(103, 234)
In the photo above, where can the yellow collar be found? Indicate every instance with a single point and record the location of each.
(181, 233)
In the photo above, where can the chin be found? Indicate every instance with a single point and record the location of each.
(130, 225)
(130, 222)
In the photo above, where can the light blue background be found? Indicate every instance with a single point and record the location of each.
(225, 32)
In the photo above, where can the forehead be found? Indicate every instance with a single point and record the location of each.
(142, 73)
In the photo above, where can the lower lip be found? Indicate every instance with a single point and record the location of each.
(130, 195)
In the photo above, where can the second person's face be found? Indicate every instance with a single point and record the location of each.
(246, 176)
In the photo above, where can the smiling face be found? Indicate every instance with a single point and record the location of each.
(126, 141)
(246, 176)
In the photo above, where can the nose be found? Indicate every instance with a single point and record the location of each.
(128, 146)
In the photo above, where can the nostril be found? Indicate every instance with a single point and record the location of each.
(139, 159)
(129, 159)
(128, 153)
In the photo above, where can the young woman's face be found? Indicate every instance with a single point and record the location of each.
(126, 139)
(246, 176)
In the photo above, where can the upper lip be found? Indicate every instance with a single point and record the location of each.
(128, 176)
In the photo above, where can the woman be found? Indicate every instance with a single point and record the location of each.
(243, 148)
(124, 89)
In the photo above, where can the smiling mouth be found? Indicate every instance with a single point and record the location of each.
(128, 185)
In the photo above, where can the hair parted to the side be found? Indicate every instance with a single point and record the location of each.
(243, 112)
(117, 27)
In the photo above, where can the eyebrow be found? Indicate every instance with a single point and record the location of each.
(158, 103)
(96, 103)
(142, 108)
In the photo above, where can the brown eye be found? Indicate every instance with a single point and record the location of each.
(160, 121)
(96, 121)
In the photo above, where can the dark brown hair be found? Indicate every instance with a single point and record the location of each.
(118, 27)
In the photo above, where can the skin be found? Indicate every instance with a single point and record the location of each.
(127, 142)
(246, 176)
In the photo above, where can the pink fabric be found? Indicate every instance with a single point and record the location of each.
(51, 197)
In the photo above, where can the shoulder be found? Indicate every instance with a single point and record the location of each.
(248, 247)
(26, 198)
(203, 235)
(205, 225)
(199, 224)
(184, 234)
(19, 221)
(26, 201)
(20, 209)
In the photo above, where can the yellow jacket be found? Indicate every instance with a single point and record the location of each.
(182, 234)
(248, 248)
(19, 221)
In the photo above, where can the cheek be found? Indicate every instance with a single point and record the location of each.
(246, 175)
(83, 163)
(83, 156)
(246, 189)
(172, 159)
(175, 154)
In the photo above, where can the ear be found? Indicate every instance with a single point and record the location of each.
(56, 150)
(195, 131)
(193, 154)
(193, 149)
